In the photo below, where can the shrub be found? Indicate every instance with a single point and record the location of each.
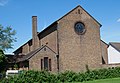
(32, 77)
(67, 76)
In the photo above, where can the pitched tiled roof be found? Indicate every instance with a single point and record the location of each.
(10, 58)
(116, 45)
(32, 53)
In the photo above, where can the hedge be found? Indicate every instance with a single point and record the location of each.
(67, 76)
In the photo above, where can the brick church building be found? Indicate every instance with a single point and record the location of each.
(72, 42)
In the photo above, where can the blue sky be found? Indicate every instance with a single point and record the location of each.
(18, 14)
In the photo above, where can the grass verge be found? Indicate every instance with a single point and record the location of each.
(112, 80)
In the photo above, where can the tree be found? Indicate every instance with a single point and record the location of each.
(6, 37)
(6, 42)
(2, 61)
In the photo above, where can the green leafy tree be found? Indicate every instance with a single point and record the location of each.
(6, 42)
(6, 37)
(2, 61)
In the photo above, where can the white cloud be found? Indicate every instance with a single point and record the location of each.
(118, 20)
(3, 2)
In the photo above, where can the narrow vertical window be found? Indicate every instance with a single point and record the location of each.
(78, 11)
(41, 64)
(50, 65)
(46, 63)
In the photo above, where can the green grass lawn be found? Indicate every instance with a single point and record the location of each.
(112, 80)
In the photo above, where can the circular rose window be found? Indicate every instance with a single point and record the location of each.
(80, 28)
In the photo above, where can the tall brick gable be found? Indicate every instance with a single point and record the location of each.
(78, 51)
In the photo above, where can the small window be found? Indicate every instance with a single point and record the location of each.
(41, 64)
(46, 63)
(79, 28)
(78, 11)
(50, 65)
